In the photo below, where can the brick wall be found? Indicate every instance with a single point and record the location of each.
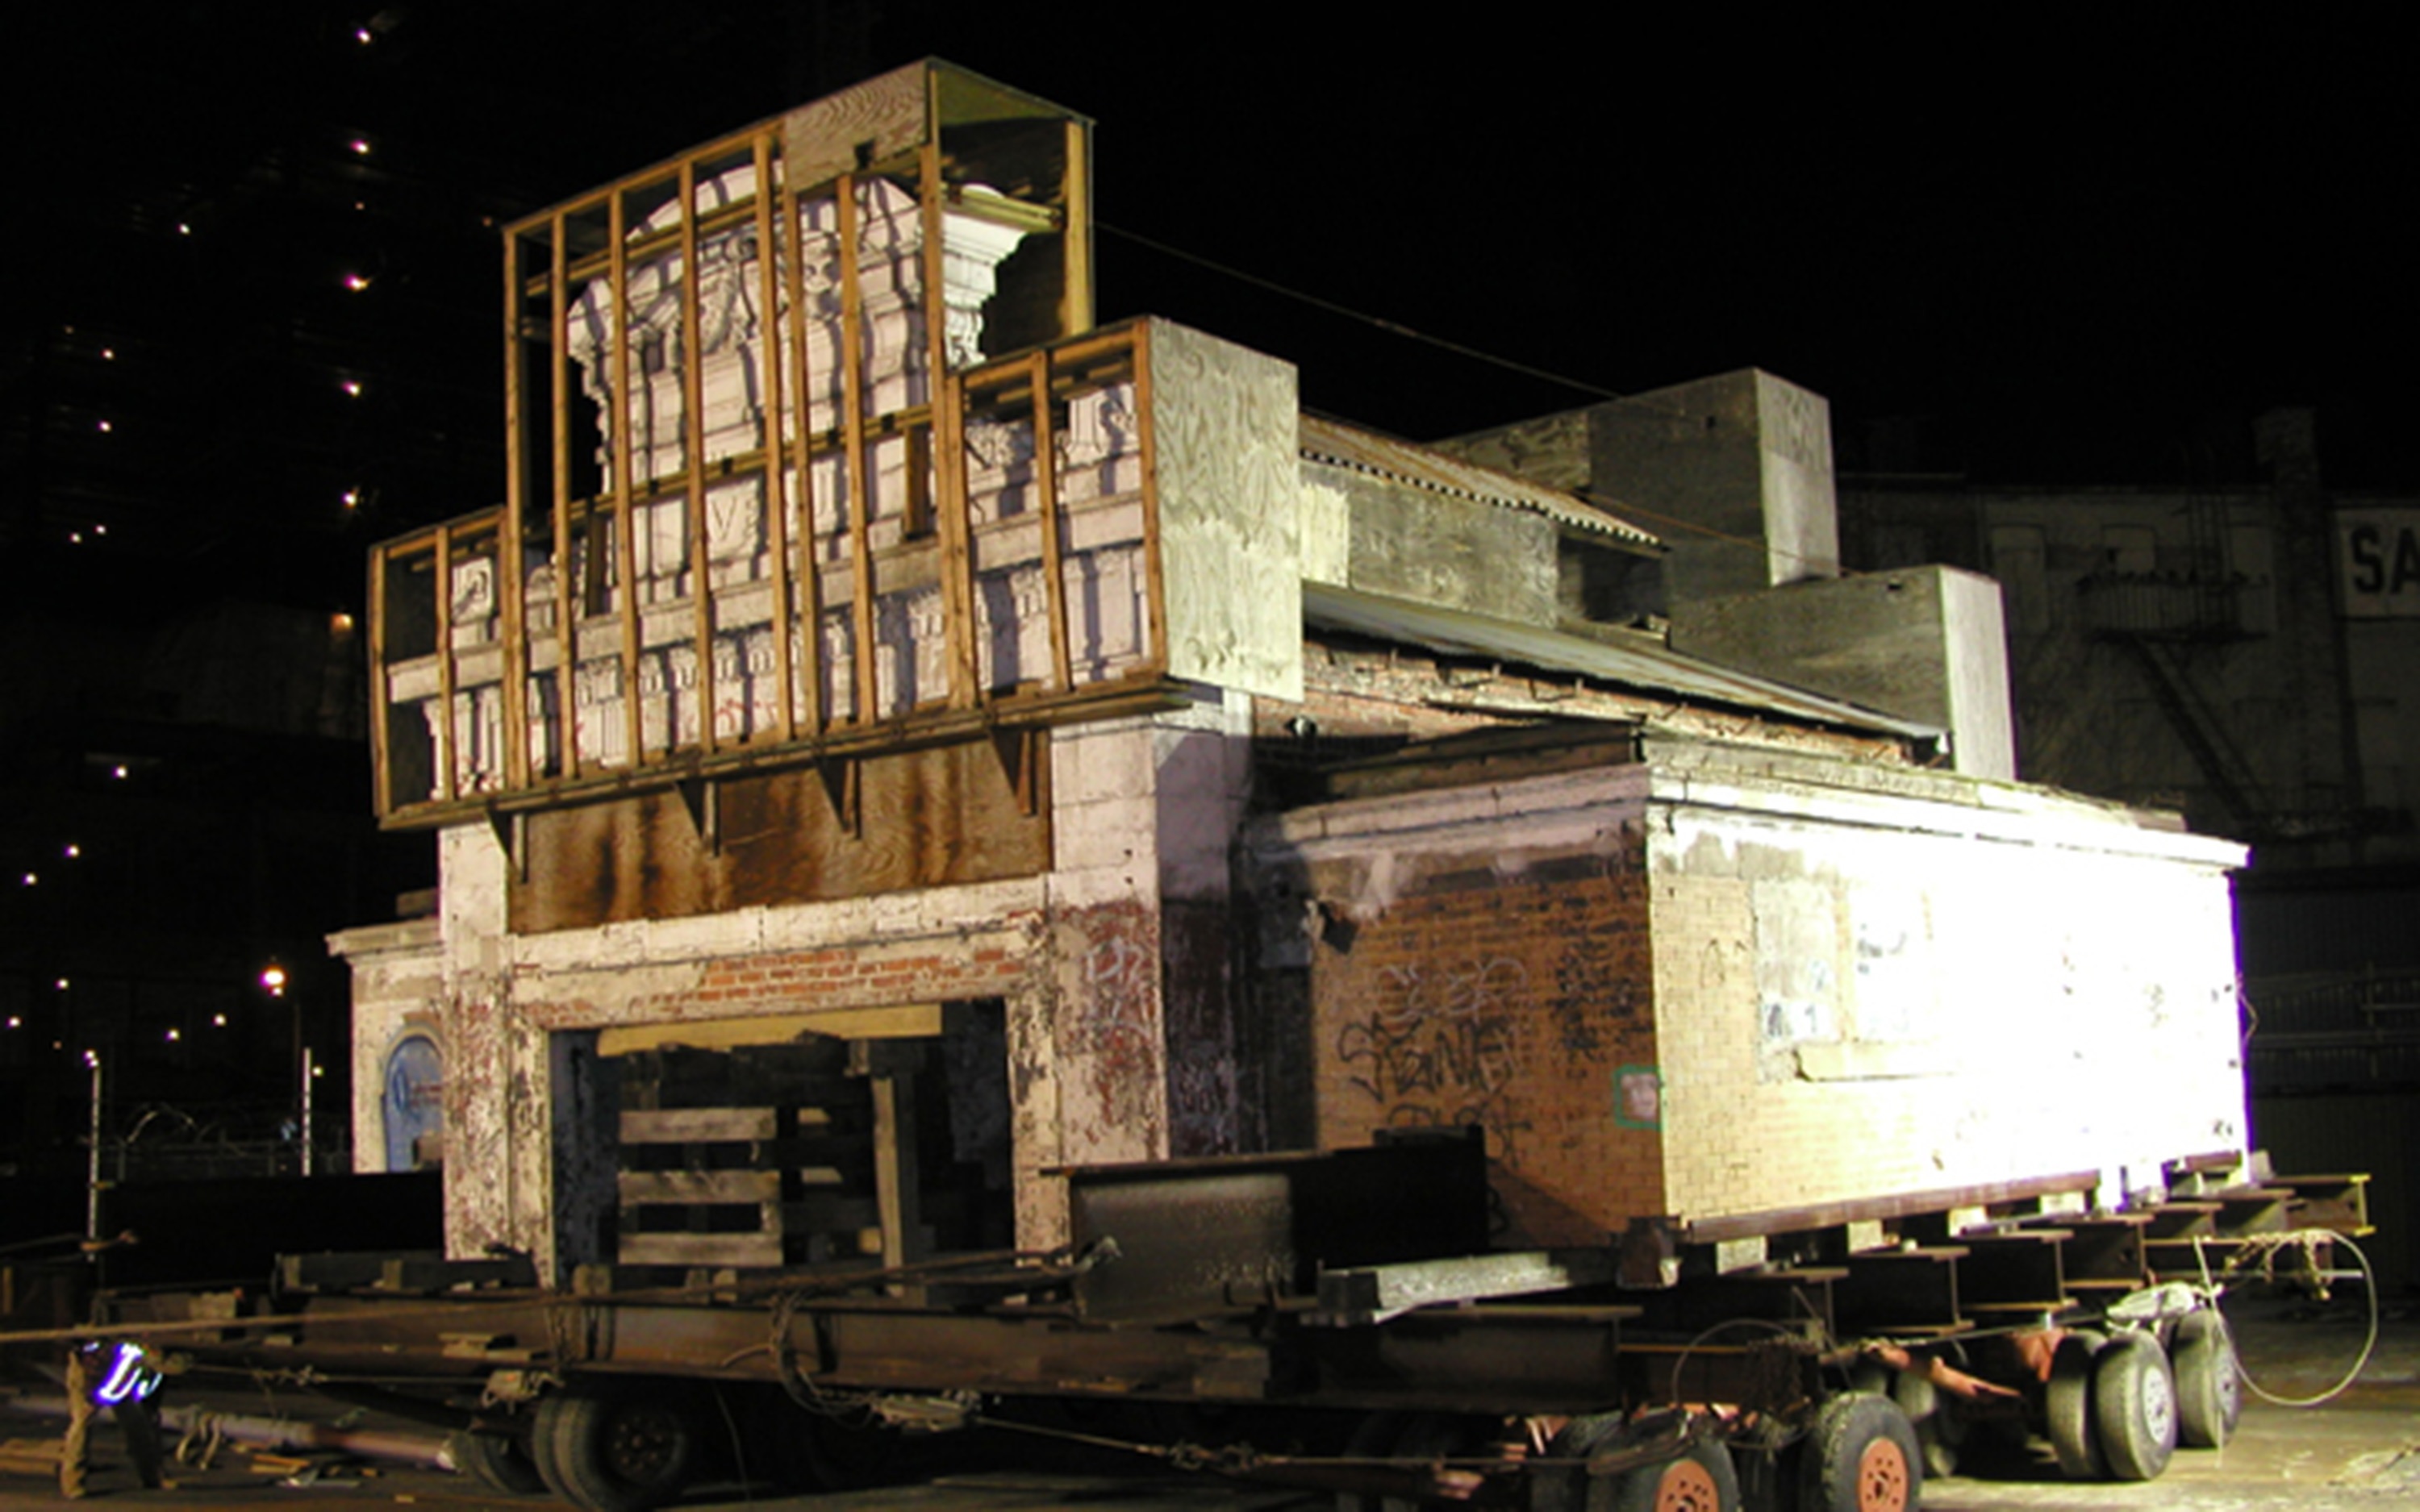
(1513, 1002)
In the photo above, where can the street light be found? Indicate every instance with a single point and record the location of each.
(273, 981)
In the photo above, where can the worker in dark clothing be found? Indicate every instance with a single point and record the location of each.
(122, 1377)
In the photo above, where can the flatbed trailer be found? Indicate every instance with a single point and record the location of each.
(1307, 1299)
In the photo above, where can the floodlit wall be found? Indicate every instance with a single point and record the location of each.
(1874, 982)
(1723, 982)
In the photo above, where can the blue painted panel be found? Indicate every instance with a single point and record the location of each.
(413, 1103)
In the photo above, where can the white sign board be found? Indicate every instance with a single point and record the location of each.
(2378, 562)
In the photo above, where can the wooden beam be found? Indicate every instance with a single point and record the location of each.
(777, 483)
(729, 145)
(626, 529)
(896, 1196)
(1046, 495)
(739, 1251)
(860, 509)
(698, 1186)
(1124, 697)
(905, 1021)
(511, 622)
(382, 797)
(1154, 650)
(648, 243)
(1075, 241)
(698, 1126)
(693, 463)
(443, 586)
(566, 604)
(949, 444)
(810, 577)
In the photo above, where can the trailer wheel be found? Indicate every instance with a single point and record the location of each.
(501, 1464)
(2209, 1379)
(2134, 1407)
(614, 1450)
(1861, 1455)
(1702, 1480)
(2068, 1405)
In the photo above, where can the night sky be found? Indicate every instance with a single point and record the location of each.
(2082, 254)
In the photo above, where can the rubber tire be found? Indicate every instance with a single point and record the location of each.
(616, 1451)
(1860, 1455)
(2209, 1379)
(501, 1464)
(2067, 1407)
(1702, 1480)
(2134, 1407)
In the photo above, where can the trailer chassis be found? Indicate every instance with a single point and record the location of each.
(1843, 1351)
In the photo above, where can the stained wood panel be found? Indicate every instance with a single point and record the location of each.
(937, 817)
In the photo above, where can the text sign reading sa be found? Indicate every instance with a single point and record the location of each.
(2378, 562)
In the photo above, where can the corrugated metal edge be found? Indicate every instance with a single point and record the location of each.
(1455, 633)
(1334, 444)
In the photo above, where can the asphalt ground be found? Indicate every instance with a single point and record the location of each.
(2358, 1452)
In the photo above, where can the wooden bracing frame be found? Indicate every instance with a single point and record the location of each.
(509, 719)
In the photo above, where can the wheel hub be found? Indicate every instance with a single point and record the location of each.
(1882, 1478)
(1687, 1486)
(642, 1445)
(2158, 1407)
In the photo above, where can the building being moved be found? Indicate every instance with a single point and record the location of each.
(897, 739)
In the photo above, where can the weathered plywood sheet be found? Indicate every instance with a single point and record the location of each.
(1223, 427)
(885, 117)
(920, 819)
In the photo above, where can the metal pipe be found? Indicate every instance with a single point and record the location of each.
(92, 1163)
(305, 1099)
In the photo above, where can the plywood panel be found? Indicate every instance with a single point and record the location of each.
(1223, 423)
(938, 817)
(858, 127)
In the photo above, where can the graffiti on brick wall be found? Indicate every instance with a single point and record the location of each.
(1444, 1048)
(1116, 981)
(1109, 1018)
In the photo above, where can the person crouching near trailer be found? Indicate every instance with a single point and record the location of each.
(122, 1376)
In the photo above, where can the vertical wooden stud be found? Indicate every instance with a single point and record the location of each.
(567, 615)
(949, 439)
(1046, 495)
(861, 506)
(382, 797)
(511, 611)
(625, 526)
(810, 562)
(442, 586)
(692, 379)
(777, 483)
(1155, 656)
(1076, 238)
